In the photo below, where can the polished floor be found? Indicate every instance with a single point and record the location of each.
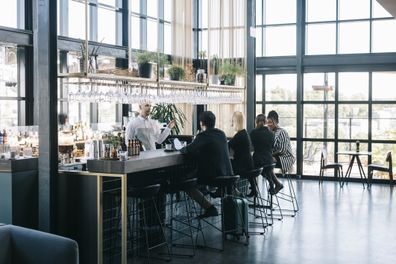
(334, 225)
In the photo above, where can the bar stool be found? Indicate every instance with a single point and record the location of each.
(143, 198)
(259, 204)
(289, 196)
(179, 199)
(226, 185)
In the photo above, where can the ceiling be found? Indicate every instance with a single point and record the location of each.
(389, 5)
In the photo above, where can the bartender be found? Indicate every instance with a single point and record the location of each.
(147, 130)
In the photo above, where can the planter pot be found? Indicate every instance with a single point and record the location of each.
(215, 79)
(201, 76)
(174, 78)
(228, 79)
(145, 70)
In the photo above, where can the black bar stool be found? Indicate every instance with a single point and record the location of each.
(289, 196)
(146, 222)
(181, 220)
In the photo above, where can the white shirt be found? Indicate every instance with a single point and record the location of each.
(147, 130)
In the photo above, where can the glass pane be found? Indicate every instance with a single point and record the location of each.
(152, 8)
(353, 86)
(204, 40)
(384, 122)
(382, 39)
(379, 11)
(167, 39)
(276, 13)
(354, 37)
(311, 157)
(280, 87)
(8, 113)
(280, 41)
(168, 10)
(259, 12)
(76, 19)
(259, 87)
(152, 35)
(204, 14)
(259, 109)
(352, 121)
(79, 112)
(379, 152)
(384, 84)
(344, 159)
(259, 42)
(135, 32)
(287, 116)
(106, 26)
(8, 72)
(321, 39)
(322, 10)
(106, 112)
(9, 14)
(354, 9)
(319, 121)
(108, 2)
(316, 88)
(135, 6)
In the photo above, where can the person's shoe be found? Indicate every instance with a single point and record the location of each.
(215, 194)
(211, 211)
(271, 190)
(278, 188)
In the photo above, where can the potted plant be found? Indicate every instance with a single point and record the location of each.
(167, 112)
(144, 63)
(228, 72)
(201, 75)
(215, 65)
(176, 72)
(162, 60)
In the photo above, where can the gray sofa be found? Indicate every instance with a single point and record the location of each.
(26, 246)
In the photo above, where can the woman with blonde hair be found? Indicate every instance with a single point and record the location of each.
(240, 144)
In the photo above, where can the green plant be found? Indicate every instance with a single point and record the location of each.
(145, 57)
(162, 59)
(228, 72)
(176, 72)
(202, 57)
(113, 140)
(215, 64)
(167, 112)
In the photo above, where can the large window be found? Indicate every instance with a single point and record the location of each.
(12, 96)
(357, 26)
(11, 14)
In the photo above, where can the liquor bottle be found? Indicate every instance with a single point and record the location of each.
(130, 149)
(5, 137)
(357, 145)
(1, 138)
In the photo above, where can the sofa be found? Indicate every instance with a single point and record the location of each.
(26, 246)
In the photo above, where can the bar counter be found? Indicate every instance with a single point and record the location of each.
(82, 203)
(19, 192)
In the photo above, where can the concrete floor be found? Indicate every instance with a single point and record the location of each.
(334, 225)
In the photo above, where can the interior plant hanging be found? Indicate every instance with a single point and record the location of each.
(165, 113)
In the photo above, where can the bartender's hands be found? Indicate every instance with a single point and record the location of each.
(172, 124)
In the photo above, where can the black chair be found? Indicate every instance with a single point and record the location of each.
(182, 211)
(382, 168)
(337, 167)
(259, 205)
(146, 220)
(226, 186)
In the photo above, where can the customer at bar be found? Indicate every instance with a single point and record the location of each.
(263, 140)
(147, 130)
(210, 150)
(240, 144)
(282, 151)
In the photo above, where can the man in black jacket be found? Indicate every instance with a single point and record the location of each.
(210, 150)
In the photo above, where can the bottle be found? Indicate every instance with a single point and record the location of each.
(357, 145)
(1, 138)
(130, 149)
(5, 137)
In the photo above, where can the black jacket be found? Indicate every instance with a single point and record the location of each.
(241, 145)
(210, 150)
(263, 141)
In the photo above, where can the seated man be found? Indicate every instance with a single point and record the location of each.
(210, 150)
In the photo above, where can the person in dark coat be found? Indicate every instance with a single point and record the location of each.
(263, 140)
(210, 150)
(240, 144)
